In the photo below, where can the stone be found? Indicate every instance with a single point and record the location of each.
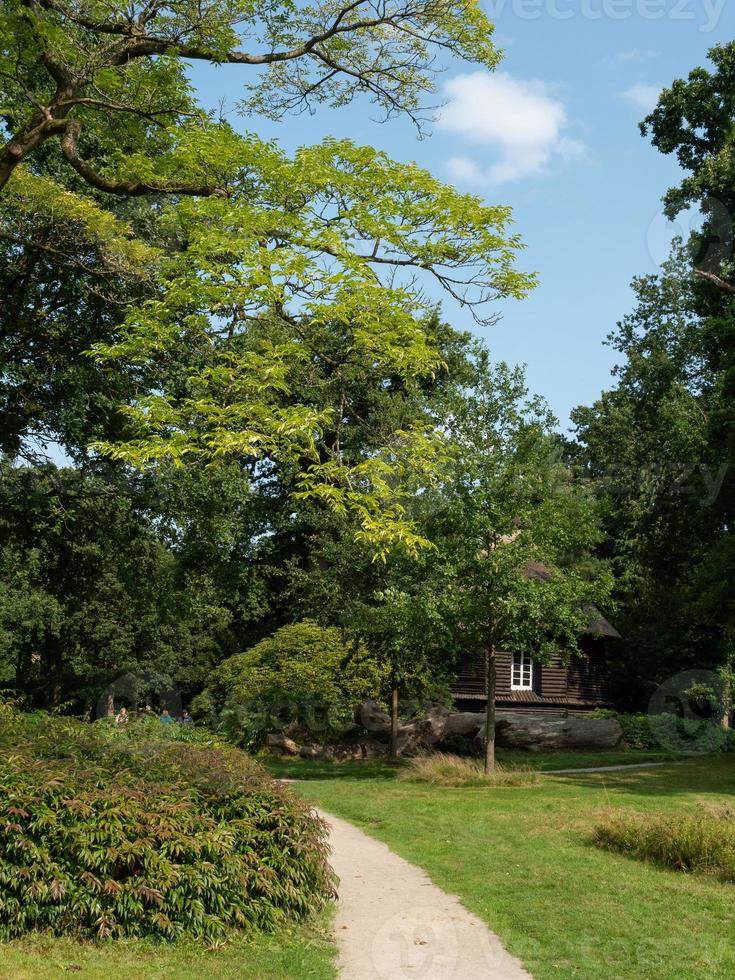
(372, 749)
(372, 717)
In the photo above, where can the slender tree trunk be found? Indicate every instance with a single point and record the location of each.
(490, 685)
(726, 678)
(394, 719)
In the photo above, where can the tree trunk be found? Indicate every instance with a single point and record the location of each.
(490, 685)
(394, 720)
(726, 678)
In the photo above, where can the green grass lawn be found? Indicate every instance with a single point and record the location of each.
(286, 768)
(521, 859)
(283, 956)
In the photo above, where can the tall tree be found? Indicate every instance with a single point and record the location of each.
(661, 442)
(515, 532)
(247, 256)
(75, 66)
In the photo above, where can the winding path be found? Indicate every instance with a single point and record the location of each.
(393, 923)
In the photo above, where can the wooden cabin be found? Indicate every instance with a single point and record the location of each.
(524, 685)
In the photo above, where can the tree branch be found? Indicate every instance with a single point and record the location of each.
(711, 277)
(124, 188)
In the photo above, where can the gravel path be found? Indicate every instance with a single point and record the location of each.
(393, 923)
(625, 765)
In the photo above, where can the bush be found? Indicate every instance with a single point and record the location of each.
(146, 831)
(442, 769)
(666, 731)
(304, 675)
(702, 842)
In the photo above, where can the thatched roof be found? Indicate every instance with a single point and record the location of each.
(598, 625)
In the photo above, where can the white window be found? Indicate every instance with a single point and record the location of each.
(521, 674)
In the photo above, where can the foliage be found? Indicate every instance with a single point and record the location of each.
(443, 769)
(646, 449)
(660, 444)
(637, 732)
(90, 591)
(692, 842)
(651, 732)
(62, 58)
(226, 267)
(515, 530)
(113, 833)
(304, 674)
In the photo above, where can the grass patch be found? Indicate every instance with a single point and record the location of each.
(442, 769)
(285, 955)
(522, 860)
(351, 769)
(290, 768)
(702, 842)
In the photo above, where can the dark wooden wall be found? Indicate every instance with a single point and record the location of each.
(583, 680)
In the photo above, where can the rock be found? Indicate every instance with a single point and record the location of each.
(283, 743)
(427, 730)
(433, 725)
(409, 741)
(522, 732)
(603, 733)
(310, 751)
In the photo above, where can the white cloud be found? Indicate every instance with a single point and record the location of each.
(521, 120)
(464, 169)
(643, 97)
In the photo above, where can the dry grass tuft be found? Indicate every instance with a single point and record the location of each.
(703, 841)
(442, 769)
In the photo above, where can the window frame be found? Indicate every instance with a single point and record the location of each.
(524, 662)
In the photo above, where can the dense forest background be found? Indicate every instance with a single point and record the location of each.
(141, 560)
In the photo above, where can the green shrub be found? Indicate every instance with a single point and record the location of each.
(699, 842)
(652, 732)
(442, 769)
(146, 831)
(304, 675)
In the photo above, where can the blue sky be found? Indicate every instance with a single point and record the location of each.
(554, 134)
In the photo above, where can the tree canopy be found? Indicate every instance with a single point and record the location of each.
(223, 265)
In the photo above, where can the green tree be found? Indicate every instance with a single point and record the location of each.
(70, 67)
(660, 443)
(307, 670)
(89, 591)
(515, 532)
(645, 445)
(246, 257)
